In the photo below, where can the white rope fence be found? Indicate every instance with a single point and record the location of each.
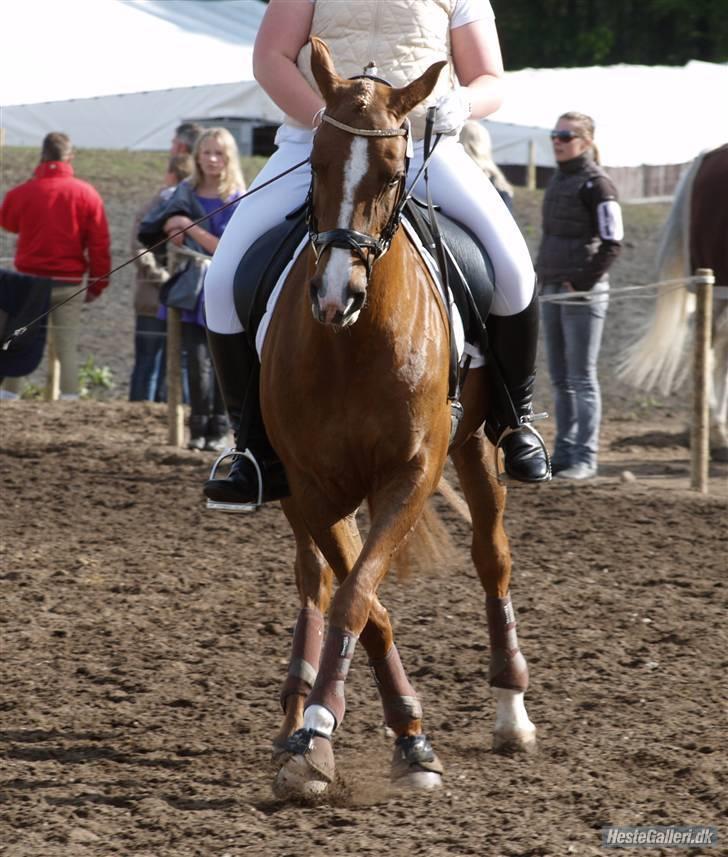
(702, 283)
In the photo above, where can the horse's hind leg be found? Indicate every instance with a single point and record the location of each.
(719, 393)
(508, 672)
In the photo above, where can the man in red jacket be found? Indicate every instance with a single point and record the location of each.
(63, 234)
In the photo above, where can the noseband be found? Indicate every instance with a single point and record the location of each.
(367, 247)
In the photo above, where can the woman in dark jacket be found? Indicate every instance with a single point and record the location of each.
(582, 231)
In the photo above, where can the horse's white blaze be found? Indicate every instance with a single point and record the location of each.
(511, 719)
(338, 271)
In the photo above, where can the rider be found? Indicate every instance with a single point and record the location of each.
(402, 39)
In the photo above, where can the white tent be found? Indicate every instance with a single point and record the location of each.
(645, 115)
(124, 73)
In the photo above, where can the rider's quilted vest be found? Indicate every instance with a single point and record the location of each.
(570, 236)
(402, 37)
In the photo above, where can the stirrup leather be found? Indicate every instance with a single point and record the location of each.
(220, 506)
(525, 424)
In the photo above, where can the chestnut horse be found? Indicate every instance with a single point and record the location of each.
(355, 399)
(694, 236)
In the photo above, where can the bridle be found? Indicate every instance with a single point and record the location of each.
(368, 248)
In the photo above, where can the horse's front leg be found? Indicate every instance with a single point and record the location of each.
(491, 554)
(356, 613)
(313, 582)
(303, 752)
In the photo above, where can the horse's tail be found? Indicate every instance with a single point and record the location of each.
(428, 549)
(655, 360)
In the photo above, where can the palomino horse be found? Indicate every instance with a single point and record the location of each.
(355, 398)
(694, 236)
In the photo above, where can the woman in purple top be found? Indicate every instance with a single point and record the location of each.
(216, 179)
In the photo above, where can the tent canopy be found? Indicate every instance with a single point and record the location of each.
(643, 114)
(90, 48)
(124, 73)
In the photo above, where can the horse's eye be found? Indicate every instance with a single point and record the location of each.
(393, 182)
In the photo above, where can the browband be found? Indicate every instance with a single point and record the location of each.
(365, 132)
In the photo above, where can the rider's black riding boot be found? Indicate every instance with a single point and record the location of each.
(237, 369)
(513, 342)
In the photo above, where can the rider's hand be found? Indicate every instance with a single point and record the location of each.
(453, 111)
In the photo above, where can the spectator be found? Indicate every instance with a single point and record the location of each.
(63, 234)
(147, 377)
(216, 179)
(185, 137)
(582, 231)
(476, 142)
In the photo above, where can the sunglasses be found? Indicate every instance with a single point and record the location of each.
(564, 136)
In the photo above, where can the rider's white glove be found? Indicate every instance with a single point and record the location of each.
(453, 111)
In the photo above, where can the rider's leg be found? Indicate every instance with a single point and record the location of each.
(465, 193)
(513, 341)
(236, 362)
(237, 368)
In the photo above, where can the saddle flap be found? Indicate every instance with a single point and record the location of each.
(260, 269)
(470, 270)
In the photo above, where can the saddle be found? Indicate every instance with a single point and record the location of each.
(470, 271)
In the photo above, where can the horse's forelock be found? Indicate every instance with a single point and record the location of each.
(363, 95)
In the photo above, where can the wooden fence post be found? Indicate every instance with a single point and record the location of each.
(699, 436)
(52, 390)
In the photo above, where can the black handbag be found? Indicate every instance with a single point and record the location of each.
(182, 289)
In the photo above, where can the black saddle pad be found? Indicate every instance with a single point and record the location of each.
(470, 271)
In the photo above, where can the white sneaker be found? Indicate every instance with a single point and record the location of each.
(577, 471)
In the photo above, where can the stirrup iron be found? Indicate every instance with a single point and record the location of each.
(525, 424)
(220, 506)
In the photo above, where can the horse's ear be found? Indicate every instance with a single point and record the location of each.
(403, 100)
(322, 66)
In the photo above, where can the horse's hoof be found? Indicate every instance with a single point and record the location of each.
(415, 765)
(306, 767)
(508, 744)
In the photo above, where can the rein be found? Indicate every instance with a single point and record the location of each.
(21, 331)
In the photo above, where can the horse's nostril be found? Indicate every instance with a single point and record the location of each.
(357, 301)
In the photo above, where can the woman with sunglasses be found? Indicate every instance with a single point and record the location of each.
(582, 231)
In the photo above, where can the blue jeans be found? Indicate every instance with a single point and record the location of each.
(573, 335)
(150, 348)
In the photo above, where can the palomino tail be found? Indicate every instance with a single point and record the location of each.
(656, 359)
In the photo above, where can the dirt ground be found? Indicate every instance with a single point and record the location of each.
(143, 641)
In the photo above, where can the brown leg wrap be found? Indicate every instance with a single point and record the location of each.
(328, 689)
(399, 699)
(305, 654)
(508, 667)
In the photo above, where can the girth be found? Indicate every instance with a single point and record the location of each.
(470, 271)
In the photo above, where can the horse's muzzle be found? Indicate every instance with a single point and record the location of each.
(327, 309)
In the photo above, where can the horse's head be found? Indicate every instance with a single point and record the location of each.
(358, 164)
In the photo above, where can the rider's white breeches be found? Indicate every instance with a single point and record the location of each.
(457, 185)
